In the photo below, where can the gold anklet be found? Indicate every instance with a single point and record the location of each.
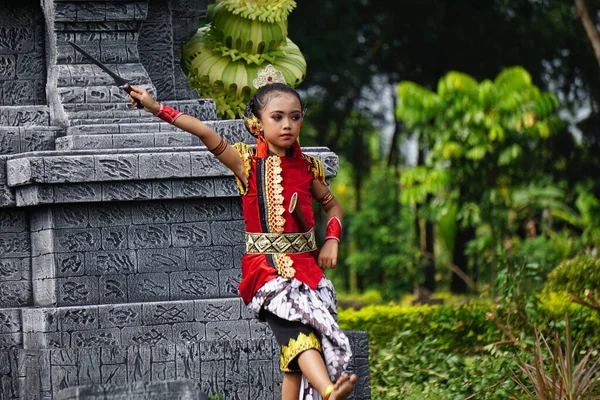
(328, 392)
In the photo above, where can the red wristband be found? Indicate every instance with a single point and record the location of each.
(334, 229)
(168, 114)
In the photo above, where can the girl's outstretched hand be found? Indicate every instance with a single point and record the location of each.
(139, 95)
(328, 254)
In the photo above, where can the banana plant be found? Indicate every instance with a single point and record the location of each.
(223, 57)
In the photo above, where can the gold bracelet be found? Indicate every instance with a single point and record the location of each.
(328, 391)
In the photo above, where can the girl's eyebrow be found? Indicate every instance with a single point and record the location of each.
(283, 112)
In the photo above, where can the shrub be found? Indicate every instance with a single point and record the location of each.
(575, 275)
(423, 372)
(463, 328)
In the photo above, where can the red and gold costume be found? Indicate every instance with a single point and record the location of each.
(271, 183)
(282, 282)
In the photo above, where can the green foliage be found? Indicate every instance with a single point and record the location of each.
(543, 252)
(423, 372)
(575, 275)
(558, 370)
(586, 218)
(384, 250)
(462, 328)
(457, 352)
(478, 137)
(358, 300)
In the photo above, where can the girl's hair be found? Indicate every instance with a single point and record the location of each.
(260, 99)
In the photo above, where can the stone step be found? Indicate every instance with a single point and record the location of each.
(137, 174)
(182, 389)
(162, 323)
(114, 113)
(150, 134)
(126, 165)
(245, 368)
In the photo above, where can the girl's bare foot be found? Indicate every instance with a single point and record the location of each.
(343, 387)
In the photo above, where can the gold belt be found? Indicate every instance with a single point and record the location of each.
(274, 243)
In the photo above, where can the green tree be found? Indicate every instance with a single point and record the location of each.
(484, 141)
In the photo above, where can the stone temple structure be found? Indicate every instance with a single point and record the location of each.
(120, 236)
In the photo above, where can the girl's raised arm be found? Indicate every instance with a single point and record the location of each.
(211, 139)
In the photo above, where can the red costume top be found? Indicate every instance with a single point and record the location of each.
(271, 183)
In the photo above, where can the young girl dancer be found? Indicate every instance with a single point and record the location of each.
(282, 278)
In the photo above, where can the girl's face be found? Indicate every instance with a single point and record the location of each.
(281, 120)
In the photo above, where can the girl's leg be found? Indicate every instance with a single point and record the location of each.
(313, 367)
(290, 388)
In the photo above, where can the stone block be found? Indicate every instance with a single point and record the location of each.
(127, 141)
(152, 236)
(156, 335)
(226, 187)
(77, 290)
(227, 232)
(218, 310)
(149, 287)
(158, 212)
(167, 313)
(165, 165)
(162, 190)
(161, 260)
(77, 240)
(204, 164)
(9, 139)
(69, 169)
(207, 210)
(15, 269)
(72, 193)
(229, 280)
(191, 234)
(110, 214)
(123, 262)
(194, 285)
(126, 191)
(209, 258)
(113, 289)
(175, 139)
(120, 315)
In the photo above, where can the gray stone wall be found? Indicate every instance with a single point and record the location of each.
(22, 56)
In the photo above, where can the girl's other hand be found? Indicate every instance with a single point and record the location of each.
(328, 254)
(140, 95)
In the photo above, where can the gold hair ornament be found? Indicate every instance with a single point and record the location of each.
(267, 76)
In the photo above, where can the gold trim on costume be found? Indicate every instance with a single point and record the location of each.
(246, 153)
(273, 243)
(295, 347)
(317, 168)
(274, 195)
(284, 265)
